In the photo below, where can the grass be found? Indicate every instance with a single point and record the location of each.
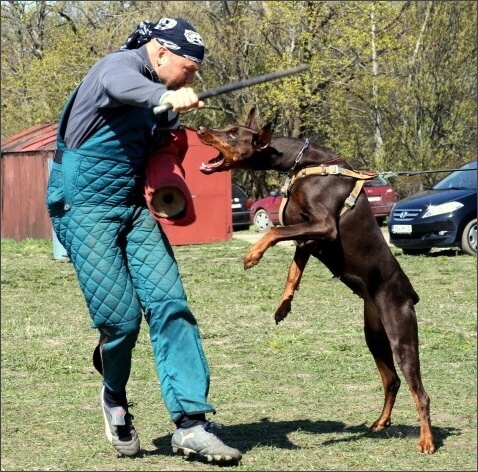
(297, 396)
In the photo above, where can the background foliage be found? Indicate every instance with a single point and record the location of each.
(392, 85)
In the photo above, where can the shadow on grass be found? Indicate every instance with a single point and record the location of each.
(275, 434)
(446, 253)
(437, 253)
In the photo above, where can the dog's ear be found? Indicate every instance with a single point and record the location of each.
(263, 137)
(251, 119)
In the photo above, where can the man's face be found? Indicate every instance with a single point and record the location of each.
(176, 71)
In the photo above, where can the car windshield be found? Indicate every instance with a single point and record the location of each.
(237, 192)
(464, 178)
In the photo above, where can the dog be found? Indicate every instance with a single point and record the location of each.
(328, 216)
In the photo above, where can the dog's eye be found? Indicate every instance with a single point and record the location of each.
(232, 133)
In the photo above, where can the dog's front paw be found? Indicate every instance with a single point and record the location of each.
(250, 260)
(283, 310)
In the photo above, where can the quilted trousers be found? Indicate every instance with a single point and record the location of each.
(126, 269)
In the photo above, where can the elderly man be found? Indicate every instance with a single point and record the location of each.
(124, 262)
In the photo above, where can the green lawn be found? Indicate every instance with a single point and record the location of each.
(297, 396)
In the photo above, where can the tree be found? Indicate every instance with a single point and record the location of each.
(391, 85)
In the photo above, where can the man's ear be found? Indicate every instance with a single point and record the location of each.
(263, 137)
(162, 51)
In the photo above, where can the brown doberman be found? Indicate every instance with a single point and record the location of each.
(328, 216)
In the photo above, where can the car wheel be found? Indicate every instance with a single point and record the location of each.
(262, 222)
(380, 220)
(416, 252)
(469, 238)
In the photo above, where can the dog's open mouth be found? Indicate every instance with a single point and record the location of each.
(212, 165)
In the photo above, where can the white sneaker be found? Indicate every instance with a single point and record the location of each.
(199, 440)
(119, 427)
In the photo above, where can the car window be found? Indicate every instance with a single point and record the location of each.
(465, 178)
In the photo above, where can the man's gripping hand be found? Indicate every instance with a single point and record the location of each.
(182, 99)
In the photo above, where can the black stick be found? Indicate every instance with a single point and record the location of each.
(238, 85)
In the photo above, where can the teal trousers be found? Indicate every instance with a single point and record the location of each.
(126, 269)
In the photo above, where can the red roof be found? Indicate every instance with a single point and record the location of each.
(41, 137)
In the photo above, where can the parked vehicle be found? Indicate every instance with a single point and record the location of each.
(240, 204)
(443, 216)
(380, 194)
(381, 197)
(264, 213)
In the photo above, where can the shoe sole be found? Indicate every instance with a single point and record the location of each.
(210, 457)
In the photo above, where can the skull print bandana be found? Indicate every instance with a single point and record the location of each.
(176, 34)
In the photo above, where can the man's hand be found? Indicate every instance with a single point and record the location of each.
(182, 99)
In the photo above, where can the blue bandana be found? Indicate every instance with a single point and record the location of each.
(176, 34)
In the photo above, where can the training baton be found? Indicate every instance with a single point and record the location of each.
(238, 85)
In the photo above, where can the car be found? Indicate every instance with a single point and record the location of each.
(264, 213)
(443, 216)
(240, 205)
(380, 194)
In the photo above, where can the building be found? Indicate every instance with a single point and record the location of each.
(26, 159)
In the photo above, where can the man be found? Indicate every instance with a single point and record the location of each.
(124, 262)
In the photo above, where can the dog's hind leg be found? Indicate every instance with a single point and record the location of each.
(400, 322)
(402, 329)
(379, 346)
(296, 269)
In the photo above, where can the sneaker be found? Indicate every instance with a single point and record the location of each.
(119, 428)
(199, 440)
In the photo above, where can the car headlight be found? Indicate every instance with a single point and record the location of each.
(448, 207)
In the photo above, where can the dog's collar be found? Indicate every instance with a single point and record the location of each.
(299, 157)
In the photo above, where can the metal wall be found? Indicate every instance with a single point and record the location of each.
(24, 179)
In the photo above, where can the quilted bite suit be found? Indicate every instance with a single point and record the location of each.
(125, 265)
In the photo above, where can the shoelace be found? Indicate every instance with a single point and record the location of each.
(124, 432)
(209, 425)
